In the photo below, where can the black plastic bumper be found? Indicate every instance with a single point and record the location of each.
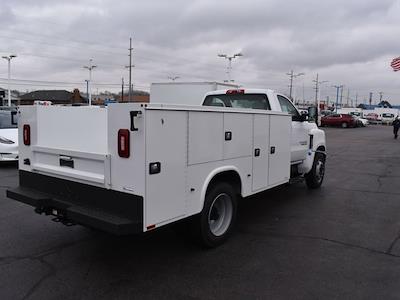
(77, 203)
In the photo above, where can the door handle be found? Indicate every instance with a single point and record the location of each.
(257, 152)
(272, 149)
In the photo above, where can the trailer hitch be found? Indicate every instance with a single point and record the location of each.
(59, 217)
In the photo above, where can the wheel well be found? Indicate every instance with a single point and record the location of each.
(230, 177)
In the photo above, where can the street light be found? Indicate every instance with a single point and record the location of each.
(90, 67)
(9, 58)
(229, 58)
(173, 78)
(292, 76)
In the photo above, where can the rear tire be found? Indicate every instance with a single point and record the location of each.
(215, 222)
(315, 177)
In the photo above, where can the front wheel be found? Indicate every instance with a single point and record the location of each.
(315, 177)
(216, 220)
(344, 125)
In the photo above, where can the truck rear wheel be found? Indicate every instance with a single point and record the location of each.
(218, 215)
(315, 177)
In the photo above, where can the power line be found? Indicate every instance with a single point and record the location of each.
(69, 40)
(38, 82)
(56, 45)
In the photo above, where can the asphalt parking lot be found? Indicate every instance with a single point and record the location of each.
(341, 241)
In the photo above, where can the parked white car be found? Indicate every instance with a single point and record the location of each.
(388, 118)
(8, 136)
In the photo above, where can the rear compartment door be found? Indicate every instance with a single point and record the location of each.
(67, 142)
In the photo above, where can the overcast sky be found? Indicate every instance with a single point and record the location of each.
(345, 42)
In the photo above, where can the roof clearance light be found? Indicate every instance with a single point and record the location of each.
(238, 91)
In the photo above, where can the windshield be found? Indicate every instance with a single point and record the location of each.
(355, 113)
(254, 101)
(8, 119)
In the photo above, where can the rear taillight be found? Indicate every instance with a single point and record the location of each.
(238, 91)
(123, 143)
(27, 134)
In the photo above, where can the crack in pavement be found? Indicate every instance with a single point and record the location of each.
(52, 270)
(394, 242)
(366, 191)
(11, 259)
(40, 257)
(319, 238)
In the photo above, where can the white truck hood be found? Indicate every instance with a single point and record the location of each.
(10, 134)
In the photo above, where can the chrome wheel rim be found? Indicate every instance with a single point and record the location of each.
(319, 171)
(220, 214)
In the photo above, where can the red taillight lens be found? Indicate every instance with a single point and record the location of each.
(27, 134)
(123, 143)
(239, 91)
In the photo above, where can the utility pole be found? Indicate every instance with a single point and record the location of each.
(291, 77)
(380, 96)
(317, 89)
(356, 99)
(337, 87)
(87, 89)
(370, 98)
(341, 96)
(348, 96)
(9, 58)
(122, 90)
(90, 67)
(229, 68)
(130, 69)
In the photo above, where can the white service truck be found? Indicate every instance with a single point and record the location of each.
(131, 168)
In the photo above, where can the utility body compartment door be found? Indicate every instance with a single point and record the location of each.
(260, 151)
(166, 144)
(279, 150)
(237, 135)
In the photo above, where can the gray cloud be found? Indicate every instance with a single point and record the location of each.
(347, 42)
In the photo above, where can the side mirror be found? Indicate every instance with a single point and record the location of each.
(303, 117)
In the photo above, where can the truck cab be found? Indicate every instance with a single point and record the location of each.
(306, 138)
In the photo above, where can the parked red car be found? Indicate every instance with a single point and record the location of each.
(341, 120)
(372, 118)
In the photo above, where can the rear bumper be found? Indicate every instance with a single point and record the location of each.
(9, 156)
(77, 203)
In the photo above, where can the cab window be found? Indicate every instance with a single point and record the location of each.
(253, 101)
(288, 107)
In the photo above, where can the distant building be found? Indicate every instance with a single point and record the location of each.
(137, 96)
(55, 96)
(4, 100)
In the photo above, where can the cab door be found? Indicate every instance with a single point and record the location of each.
(299, 133)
